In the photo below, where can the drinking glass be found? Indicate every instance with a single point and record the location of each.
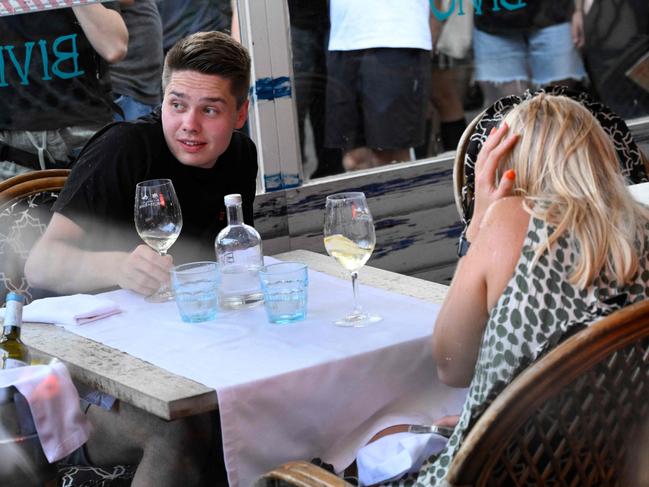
(196, 287)
(285, 287)
(158, 221)
(349, 238)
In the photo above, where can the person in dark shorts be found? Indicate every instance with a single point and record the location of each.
(309, 35)
(379, 79)
(91, 242)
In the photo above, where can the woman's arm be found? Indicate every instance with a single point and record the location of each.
(460, 323)
(480, 278)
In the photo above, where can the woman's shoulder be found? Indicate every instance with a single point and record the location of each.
(499, 244)
(504, 217)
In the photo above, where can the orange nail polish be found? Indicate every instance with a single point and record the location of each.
(511, 174)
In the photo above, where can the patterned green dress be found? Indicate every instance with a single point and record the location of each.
(534, 312)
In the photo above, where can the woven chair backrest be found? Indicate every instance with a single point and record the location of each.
(570, 419)
(25, 210)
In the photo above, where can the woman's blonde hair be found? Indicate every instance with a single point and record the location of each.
(567, 171)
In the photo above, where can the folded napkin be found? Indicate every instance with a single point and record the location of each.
(54, 404)
(77, 309)
(393, 456)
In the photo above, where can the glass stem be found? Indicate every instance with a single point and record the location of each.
(357, 307)
(163, 287)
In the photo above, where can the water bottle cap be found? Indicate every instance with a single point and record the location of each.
(232, 199)
(15, 297)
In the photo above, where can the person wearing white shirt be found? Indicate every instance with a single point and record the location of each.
(378, 64)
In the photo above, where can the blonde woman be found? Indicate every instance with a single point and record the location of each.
(556, 241)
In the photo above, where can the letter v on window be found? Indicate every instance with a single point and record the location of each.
(22, 70)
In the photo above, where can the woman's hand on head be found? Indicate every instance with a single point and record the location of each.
(487, 190)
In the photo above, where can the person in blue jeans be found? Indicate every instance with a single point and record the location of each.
(532, 46)
(136, 79)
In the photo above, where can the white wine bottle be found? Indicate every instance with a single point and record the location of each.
(13, 352)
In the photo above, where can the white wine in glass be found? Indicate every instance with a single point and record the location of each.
(349, 238)
(158, 221)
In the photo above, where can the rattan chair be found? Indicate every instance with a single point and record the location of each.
(569, 419)
(25, 210)
(25, 204)
(633, 162)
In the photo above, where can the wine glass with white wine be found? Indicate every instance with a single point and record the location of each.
(158, 221)
(349, 238)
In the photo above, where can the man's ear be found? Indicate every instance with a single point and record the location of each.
(242, 114)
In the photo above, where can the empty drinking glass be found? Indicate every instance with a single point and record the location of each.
(285, 291)
(196, 287)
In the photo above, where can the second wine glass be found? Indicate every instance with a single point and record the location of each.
(158, 221)
(349, 238)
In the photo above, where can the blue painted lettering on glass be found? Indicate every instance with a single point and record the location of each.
(64, 56)
(442, 15)
(46, 74)
(63, 50)
(511, 5)
(23, 70)
(3, 81)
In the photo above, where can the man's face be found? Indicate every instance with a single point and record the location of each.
(199, 113)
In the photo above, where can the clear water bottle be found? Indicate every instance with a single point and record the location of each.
(239, 254)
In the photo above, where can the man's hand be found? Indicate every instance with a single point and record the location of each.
(144, 270)
(487, 189)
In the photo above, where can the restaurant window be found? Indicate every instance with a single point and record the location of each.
(483, 50)
(325, 87)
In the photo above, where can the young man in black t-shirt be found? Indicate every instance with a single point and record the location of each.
(91, 242)
(192, 142)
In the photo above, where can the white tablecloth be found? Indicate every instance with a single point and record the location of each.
(288, 392)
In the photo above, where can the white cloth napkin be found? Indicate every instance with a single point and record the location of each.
(77, 309)
(393, 456)
(54, 403)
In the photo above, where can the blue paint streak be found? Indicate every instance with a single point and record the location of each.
(278, 181)
(389, 223)
(272, 88)
(273, 182)
(317, 201)
(450, 232)
(389, 247)
(291, 180)
(264, 89)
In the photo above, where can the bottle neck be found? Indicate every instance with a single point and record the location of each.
(13, 320)
(11, 332)
(235, 215)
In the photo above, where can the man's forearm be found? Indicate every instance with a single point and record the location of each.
(105, 29)
(65, 269)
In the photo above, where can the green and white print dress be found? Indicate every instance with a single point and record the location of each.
(538, 307)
